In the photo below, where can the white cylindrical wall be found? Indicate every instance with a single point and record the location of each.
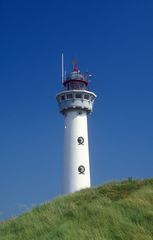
(75, 154)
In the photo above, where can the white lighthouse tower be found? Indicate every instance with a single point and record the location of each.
(75, 103)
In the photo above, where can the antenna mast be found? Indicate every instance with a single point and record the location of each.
(62, 68)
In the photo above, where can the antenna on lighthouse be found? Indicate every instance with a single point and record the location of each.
(62, 68)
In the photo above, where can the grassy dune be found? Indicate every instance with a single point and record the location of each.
(115, 211)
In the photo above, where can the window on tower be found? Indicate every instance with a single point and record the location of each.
(69, 96)
(92, 98)
(86, 96)
(62, 97)
(78, 95)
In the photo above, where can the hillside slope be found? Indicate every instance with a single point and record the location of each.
(115, 211)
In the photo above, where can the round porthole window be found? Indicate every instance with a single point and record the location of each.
(81, 169)
(80, 140)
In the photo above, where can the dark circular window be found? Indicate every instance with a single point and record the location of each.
(80, 140)
(81, 169)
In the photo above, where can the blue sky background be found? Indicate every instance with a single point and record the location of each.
(111, 39)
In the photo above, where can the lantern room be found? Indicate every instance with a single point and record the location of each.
(75, 80)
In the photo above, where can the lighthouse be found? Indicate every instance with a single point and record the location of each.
(75, 103)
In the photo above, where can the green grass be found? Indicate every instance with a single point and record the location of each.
(115, 211)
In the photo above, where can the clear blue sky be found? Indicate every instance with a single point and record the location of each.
(111, 39)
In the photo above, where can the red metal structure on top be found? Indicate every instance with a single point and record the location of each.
(75, 80)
